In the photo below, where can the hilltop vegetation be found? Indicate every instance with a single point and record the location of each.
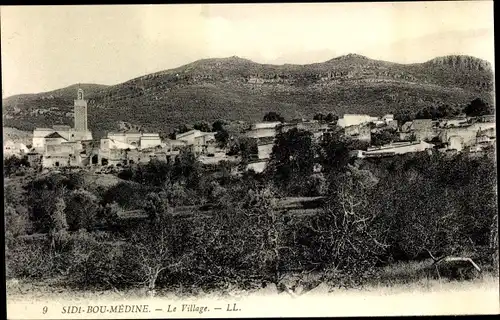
(239, 89)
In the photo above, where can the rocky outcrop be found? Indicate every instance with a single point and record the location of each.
(462, 62)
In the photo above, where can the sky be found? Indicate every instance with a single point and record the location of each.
(49, 47)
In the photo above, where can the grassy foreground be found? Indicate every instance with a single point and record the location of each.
(23, 289)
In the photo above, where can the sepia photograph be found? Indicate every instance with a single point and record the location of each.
(249, 160)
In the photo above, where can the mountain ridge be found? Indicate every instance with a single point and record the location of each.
(436, 60)
(237, 88)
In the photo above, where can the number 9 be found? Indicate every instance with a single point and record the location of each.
(45, 310)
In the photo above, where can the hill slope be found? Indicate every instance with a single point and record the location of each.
(239, 89)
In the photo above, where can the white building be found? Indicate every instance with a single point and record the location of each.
(258, 166)
(189, 136)
(265, 150)
(79, 132)
(150, 140)
(355, 119)
(394, 148)
(39, 135)
(199, 141)
(108, 143)
(388, 118)
(131, 137)
(135, 139)
(265, 125)
(456, 143)
(468, 132)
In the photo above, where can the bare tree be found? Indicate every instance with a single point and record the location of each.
(155, 244)
(58, 222)
(347, 228)
(454, 267)
(155, 255)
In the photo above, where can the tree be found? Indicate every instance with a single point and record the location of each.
(110, 214)
(155, 205)
(14, 164)
(156, 244)
(245, 147)
(437, 112)
(403, 116)
(334, 155)
(383, 137)
(319, 117)
(179, 130)
(15, 224)
(273, 116)
(58, 223)
(348, 234)
(81, 209)
(292, 159)
(242, 240)
(187, 170)
(218, 125)
(42, 194)
(202, 126)
(222, 138)
(478, 107)
(330, 117)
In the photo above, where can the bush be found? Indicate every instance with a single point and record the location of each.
(28, 259)
(81, 210)
(13, 165)
(95, 263)
(15, 224)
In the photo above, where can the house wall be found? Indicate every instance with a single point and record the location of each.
(35, 159)
(133, 138)
(392, 124)
(39, 135)
(55, 161)
(359, 132)
(468, 133)
(399, 148)
(61, 160)
(52, 141)
(261, 133)
(456, 143)
(265, 125)
(426, 134)
(202, 142)
(113, 156)
(265, 150)
(80, 135)
(257, 166)
(189, 137)
(61, 148)
(355, 119)
(150, 141)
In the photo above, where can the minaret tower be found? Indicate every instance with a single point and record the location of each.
(80, 111)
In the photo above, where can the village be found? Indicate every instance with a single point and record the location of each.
(66, 146)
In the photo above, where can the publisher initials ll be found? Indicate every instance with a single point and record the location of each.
(232, 308)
